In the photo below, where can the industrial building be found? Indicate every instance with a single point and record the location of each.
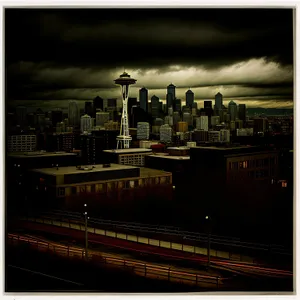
(21, 143)
(131, 156)
(236, 184)
(18, 175)
(70, 187)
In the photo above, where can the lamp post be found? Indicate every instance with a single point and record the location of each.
(208, 219)
(86, 231)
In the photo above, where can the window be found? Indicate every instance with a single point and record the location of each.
(131, 184)
(73, 190)
(235, 165)
(82, 189)
(61, 191)
(93, 188)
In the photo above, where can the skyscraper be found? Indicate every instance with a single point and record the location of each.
(73, 114)
(232, 108)
(144, 99)
(112, 102)
(177, 105)
(143, 130)
(189, 98)
(56, 116)
(98, 105)
(169, 100)
(242, 112)
(102, 118)
(219, 101)
(202, 123)
(171, 90)
(88, 108)
(155, 106)
(21, 112)
(86, 124)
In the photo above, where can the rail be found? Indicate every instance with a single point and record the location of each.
(67, 223)
(175, 231)
(139, 268)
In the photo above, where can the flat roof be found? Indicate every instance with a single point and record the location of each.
(39, 154)
(130, 150)
(73, 170)
(175, 157)
(178, 148)
(225, 148)
(152, 172)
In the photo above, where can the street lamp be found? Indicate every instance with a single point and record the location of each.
(86, 232)
(208, 219)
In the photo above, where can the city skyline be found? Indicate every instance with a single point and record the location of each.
(75, 54)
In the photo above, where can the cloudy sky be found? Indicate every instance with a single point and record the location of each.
(53, 55)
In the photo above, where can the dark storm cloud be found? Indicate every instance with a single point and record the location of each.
(52, 52)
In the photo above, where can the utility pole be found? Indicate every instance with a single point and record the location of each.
(86, 232)
(208, 240)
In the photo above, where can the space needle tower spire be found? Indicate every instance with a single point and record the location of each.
(124, 138)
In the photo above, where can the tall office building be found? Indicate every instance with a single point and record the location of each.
(21, 112)
(88, 108)
(73, 114)
(187, 117)
(98, 105)
(144, 99)
(202, 123)
(102, 118)
(215, 120)
(112, 102)
(155, 106)
(232, 108)
(242, 112)
(177, 105)
(189, 98)
(219, 101)
(176, 117)
(86, 123)
(56, 116)
(169, 100)
(171, 90)
(165, 133)
(143, 130)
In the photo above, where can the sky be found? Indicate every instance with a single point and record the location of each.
(56, 55)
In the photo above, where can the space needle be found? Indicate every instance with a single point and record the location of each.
(124, 138)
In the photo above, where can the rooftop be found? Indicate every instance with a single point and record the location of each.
(225, 148)
(152, 172)
(171, 157)
(126, 151)
(178, 148)
(39, 154)
(73, 170)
